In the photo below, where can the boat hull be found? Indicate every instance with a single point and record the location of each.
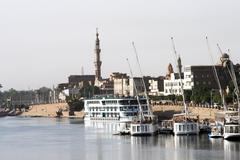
(185, 128)
(231, 132)
(143, 129)
(232, 136)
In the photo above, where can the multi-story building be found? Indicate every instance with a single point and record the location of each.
(200, 76)
(156, 86)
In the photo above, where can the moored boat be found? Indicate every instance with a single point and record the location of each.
(185, 125)
(3, 112)
(109, 108)
(216, 132)
(146, 127)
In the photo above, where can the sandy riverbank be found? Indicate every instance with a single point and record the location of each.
(49, 110)
(167, 111)
(163, 111)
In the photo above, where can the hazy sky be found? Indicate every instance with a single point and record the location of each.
(42, 42)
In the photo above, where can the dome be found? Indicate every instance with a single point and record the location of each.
(225, 55)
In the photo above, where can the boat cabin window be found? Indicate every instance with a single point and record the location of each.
(184, 127)
(134, 128)
(146, 128)
(180, 127)
(111, 102)
(142, 128)
(192, 127)
(138, 128)
(92, 102)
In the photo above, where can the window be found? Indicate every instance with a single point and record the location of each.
(146, 128)
(138, 128)
(134, 128)
(184, 127)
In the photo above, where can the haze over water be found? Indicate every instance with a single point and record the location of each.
(71, 139)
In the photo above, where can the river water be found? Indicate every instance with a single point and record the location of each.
(71, 139)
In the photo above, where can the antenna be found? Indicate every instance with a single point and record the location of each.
(135, 88)
(216, 75)
(144, 85)
(180, 76)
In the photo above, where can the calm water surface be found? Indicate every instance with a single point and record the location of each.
(71, 139)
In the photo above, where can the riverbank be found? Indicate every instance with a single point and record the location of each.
(167, 111)
(162, 111)
(49, 110)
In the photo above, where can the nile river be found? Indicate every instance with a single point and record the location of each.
(71, 139)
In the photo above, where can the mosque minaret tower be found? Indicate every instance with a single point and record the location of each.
(97, 61)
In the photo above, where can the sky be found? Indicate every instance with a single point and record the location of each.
(42, 42)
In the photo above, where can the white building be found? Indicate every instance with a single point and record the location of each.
(156, 86)
(172, 85)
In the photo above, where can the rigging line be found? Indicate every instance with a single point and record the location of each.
(144, 85)
(180, 76)
(236, 91)
(216, 75)
(135, 88)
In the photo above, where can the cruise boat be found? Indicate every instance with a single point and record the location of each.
(109, 108)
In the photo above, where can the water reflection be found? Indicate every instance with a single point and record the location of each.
(72, 139)
(231, 150)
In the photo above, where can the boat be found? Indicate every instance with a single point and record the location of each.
(231, 131)
(183, 123)
(229, 121)
(232, 122)
(216, 132)
(146, 127)
(3, 112)
(123, 128)
(146, 123)
(166, 127)
(14, 113)
(110, 108)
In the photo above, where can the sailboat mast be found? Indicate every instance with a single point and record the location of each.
(180, 76)
(144, 85)
(216, 76)
(234, 79)
(135, 88)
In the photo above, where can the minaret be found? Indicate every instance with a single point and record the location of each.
(97, 62)
(179, 64)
